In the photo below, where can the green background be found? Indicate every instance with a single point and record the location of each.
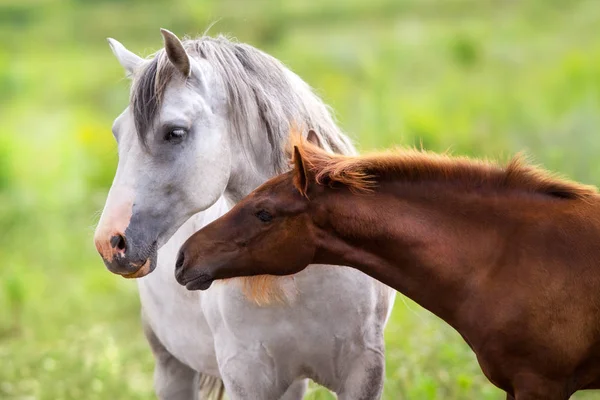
(484, 78)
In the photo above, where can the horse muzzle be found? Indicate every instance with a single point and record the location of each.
(191, 278)
(130, 270)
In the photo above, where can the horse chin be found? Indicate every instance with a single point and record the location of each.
(147, 267)
(200, 283)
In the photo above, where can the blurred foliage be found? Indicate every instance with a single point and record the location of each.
(480, 77)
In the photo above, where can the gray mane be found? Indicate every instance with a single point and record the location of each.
(263, 96)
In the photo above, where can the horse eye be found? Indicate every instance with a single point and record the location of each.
(175, 135)
(264, 216)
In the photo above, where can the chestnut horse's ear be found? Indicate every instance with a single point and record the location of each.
(300, 173)
(313, 138)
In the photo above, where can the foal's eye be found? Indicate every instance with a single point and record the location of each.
(175, 135)
(264, 216)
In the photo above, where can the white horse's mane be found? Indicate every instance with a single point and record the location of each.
(263, 96)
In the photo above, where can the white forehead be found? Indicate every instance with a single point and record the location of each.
(180, 102)
(184, 99)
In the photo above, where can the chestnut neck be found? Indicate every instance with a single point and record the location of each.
(431, 242)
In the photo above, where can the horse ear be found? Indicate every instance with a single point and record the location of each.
(126, 58)
(176, 53)
(300, 173)
(313, 138)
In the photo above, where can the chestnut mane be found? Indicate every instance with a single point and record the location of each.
(361, 173)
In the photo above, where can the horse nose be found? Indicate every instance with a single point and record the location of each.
(179, 265)
(114, 252)
(111, 247)
(118, 243)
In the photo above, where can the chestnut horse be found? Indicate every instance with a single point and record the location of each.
(508, 256)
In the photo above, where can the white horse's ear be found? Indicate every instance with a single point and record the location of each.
(176, 53)
(126, 58)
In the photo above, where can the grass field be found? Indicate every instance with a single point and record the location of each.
(478, 77)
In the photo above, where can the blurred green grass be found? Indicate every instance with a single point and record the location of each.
(480, 77)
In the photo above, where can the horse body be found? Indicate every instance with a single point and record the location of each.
(532, 315)
(507, 256)
(308, 344)
(211, 118)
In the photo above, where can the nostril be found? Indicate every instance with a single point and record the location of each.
(180, 260)
(118, 242)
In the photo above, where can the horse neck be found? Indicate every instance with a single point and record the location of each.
(247, 176)
(428, 243)
(254, 167)
(196, 222)
(254, 155)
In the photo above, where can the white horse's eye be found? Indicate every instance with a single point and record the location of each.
(175, 135)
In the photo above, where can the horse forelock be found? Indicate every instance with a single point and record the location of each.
(148, 90)
(263, 98)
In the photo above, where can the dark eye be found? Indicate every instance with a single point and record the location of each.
(264, 216)
(175, 135)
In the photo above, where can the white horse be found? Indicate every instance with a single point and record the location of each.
(208, 121)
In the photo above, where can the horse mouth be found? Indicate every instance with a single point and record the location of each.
(143, 270)
(201, 282)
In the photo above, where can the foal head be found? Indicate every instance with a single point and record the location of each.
(268, 232)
